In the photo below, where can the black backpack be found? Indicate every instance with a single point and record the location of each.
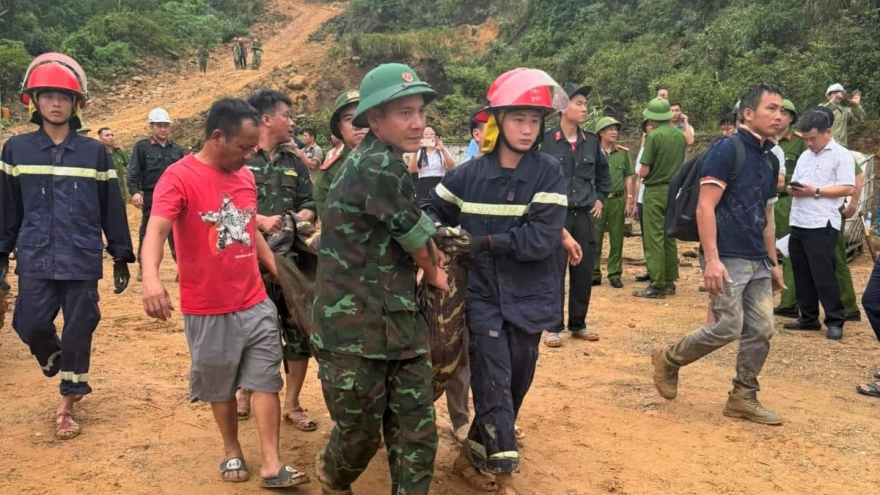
(684, 191)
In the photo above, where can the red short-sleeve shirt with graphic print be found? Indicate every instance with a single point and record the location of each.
(214, 215)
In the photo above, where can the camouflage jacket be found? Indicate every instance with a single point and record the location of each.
(283, 182)
(365, 288)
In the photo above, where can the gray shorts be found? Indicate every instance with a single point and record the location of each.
(234, 350)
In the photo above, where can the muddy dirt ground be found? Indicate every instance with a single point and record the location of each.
(594, 423)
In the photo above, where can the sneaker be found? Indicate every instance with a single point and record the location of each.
(750, 409)
(650, 292)
(665, 373)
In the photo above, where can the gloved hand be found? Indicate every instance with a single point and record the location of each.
(121, 276)
(458, 242)
(4, 268)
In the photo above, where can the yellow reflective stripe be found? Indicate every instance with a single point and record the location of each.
(477, 448)
(73, 377)
(512, 454)
(86, 173)
(446, 195)
(51, 360)
(550, 198)
(494, 210)
(5, 167)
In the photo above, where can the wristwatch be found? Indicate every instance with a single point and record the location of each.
(816, 195)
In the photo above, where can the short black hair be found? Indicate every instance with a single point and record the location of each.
(814, 118)
(101, 130)
(752, 96)
(662, 87)
(310, 131)
(266, 101)
(674, 104)
(227, 114)
(827, 111)
(728, 118)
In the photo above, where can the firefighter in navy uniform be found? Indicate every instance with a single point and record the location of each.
(59, 193)
(588, 183)
(149, 159)
(512, 203)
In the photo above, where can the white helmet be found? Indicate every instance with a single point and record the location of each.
(159, 116)
(834, 88)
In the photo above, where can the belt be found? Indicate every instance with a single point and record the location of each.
(616, 194)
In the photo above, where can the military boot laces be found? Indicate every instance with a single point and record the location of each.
(750, 409)
(665, 374)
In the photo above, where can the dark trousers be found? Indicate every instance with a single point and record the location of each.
(502, 369)
(815, 279)
(871, 299)
(580, 278)
(145, 210)
(457, 390)
(33, 320)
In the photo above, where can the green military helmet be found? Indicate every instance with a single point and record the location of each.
(658, 110)
(605, 122)
(385, 83)
(344, 99)
(788, 105)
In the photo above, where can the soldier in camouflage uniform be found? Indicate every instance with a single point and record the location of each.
(257, 48)
(342, 128)
(283, 187)
(372, 344)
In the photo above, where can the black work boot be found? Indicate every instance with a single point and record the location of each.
(651, 292)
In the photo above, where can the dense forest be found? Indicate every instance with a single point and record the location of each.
(107, 36)
(705, 51)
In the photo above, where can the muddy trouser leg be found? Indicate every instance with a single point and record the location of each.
(79, 304)
(457, 389)
(844, 276)
(366, 395)
(499, 389)
(145, 210)
(33, 319)
(871, 299)
(744, 312)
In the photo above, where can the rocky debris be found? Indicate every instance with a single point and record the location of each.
(297, 83)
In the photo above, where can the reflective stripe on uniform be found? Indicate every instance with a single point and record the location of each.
(51, 361)
(511, 454)
(509, 210)
(86, 173)
(73, 377)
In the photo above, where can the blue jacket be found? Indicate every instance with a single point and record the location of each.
(517, 280)
(56, 202)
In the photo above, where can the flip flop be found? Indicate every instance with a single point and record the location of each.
(876, 375)
(873, 389)
(287, 477)
(552, 340)
(234, 464)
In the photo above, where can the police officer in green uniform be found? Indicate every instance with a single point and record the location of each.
(618, 202)
(342, 128)
(792, 145)
(118, 155)
(788, 302)
(283, 188)
(663, 156)
(203, 60)
(372, 343)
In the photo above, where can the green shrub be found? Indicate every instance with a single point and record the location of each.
(14, 60)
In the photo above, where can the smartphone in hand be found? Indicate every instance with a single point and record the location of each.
(795, 185)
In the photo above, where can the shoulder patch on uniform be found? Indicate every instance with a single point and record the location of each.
(798, 134)
(622, 148)
(291, 172)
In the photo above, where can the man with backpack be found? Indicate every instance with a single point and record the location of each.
(736, 228)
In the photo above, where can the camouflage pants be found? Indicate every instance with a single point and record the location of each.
(745, 313)
(367, 398)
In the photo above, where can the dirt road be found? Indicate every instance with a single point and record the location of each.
(594, 422)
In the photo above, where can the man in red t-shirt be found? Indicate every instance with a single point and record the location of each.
(231, 326)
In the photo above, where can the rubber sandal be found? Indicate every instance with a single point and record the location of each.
(475, 479)
(873, 389)
(234, 464)
(585, 334)
(301, 421)
(287, 477)
(552, 340)
(67, 428)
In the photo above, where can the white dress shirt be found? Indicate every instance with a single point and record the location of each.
(833, 166)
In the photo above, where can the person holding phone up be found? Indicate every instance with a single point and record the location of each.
(431, 163)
